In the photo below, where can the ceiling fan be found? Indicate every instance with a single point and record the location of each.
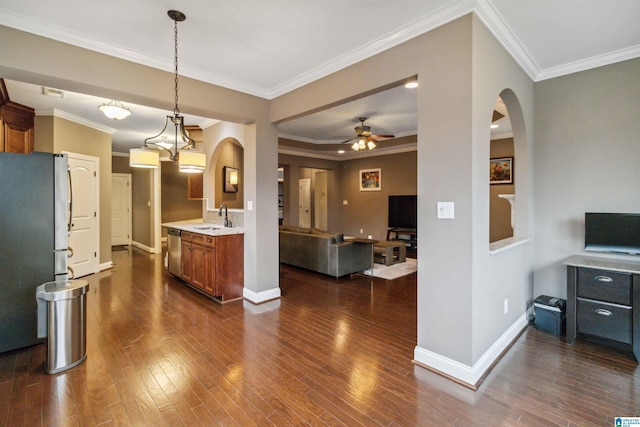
(364, 138)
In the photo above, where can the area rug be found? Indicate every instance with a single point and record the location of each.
(394, 271)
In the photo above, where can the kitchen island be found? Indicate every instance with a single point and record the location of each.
(211, 258)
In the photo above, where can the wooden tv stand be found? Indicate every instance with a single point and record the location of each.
(603, 301)
(407, 235)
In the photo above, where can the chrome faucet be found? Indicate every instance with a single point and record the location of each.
(227, 223)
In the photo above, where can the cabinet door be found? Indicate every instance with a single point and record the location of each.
(210, 272)
(18, 140)
(17, 128)
(194, 187)
(199, 266)
(187, 269)
(230, 266)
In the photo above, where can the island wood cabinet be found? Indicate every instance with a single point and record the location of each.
(603, 301)
(214, 264)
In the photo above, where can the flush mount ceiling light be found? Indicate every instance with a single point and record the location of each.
(173, 138)
(115, 110)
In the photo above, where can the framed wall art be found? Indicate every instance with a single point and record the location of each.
(370, 179)
(230, 184)
(501, 170)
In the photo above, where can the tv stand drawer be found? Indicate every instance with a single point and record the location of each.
(604, 285)
(604, 320)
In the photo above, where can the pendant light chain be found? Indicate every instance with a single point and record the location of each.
(176, 111)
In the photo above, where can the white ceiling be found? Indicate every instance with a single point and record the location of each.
(269, 47)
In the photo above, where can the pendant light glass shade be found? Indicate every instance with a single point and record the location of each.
(115, 110)
(144, 158)
(192, 161)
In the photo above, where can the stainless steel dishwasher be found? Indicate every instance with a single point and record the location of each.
(174, 247)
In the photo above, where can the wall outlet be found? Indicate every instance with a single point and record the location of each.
(506, 305)
(369, 236)
(361, 230)
(345, 202)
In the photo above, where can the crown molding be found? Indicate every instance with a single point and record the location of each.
(76, 119)
(589, 63)
(489, 15)
(385, 42)
(484, 9)
(348, 154)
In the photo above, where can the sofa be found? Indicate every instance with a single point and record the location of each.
(323, 251)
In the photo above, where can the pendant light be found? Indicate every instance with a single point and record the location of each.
(173, 138)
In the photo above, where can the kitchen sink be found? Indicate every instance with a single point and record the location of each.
(209, 227)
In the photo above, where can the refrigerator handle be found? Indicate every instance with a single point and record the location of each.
(70, 201)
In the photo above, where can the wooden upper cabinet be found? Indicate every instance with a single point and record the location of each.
(17, 124)
(194, 187)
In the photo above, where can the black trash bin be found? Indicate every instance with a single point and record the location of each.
(550, 314)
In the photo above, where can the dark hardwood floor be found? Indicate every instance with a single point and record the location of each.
(330, 352)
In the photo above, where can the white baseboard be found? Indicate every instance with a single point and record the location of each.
(261, 297)
(143, 247)
(470, 375)
(105, 266)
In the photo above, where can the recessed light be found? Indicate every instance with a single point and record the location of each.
(495, 126)
(411, 85)
(340, 151)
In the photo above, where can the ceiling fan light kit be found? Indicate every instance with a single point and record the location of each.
(366, 140)
(173, 138)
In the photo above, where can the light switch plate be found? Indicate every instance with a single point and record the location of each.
(446, 210)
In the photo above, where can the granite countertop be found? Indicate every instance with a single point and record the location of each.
(623, 266)
(208, 228)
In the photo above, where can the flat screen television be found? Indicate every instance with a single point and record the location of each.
(403, 212)
(612, 232)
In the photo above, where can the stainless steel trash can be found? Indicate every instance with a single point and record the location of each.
(62, 319)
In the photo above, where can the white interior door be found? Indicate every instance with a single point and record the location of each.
(304, 197)
(84, 239)
(320, 198)
(120, 209)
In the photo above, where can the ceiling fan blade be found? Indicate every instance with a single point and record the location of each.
(384, 136)
(348, 140)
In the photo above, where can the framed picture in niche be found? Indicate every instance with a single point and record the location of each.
(230, 183)
(371, 179)
(501, 170)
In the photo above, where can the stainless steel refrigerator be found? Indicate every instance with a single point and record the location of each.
(34, 211)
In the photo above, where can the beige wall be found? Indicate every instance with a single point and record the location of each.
(142, 204)
(229, 153)
(368, 210)
(587, 153)
(55, 134)
(365, 210)
(37, 60)
(120, 164)
(298, 167)
(500, 209)
(175, 205)
(462, 69)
